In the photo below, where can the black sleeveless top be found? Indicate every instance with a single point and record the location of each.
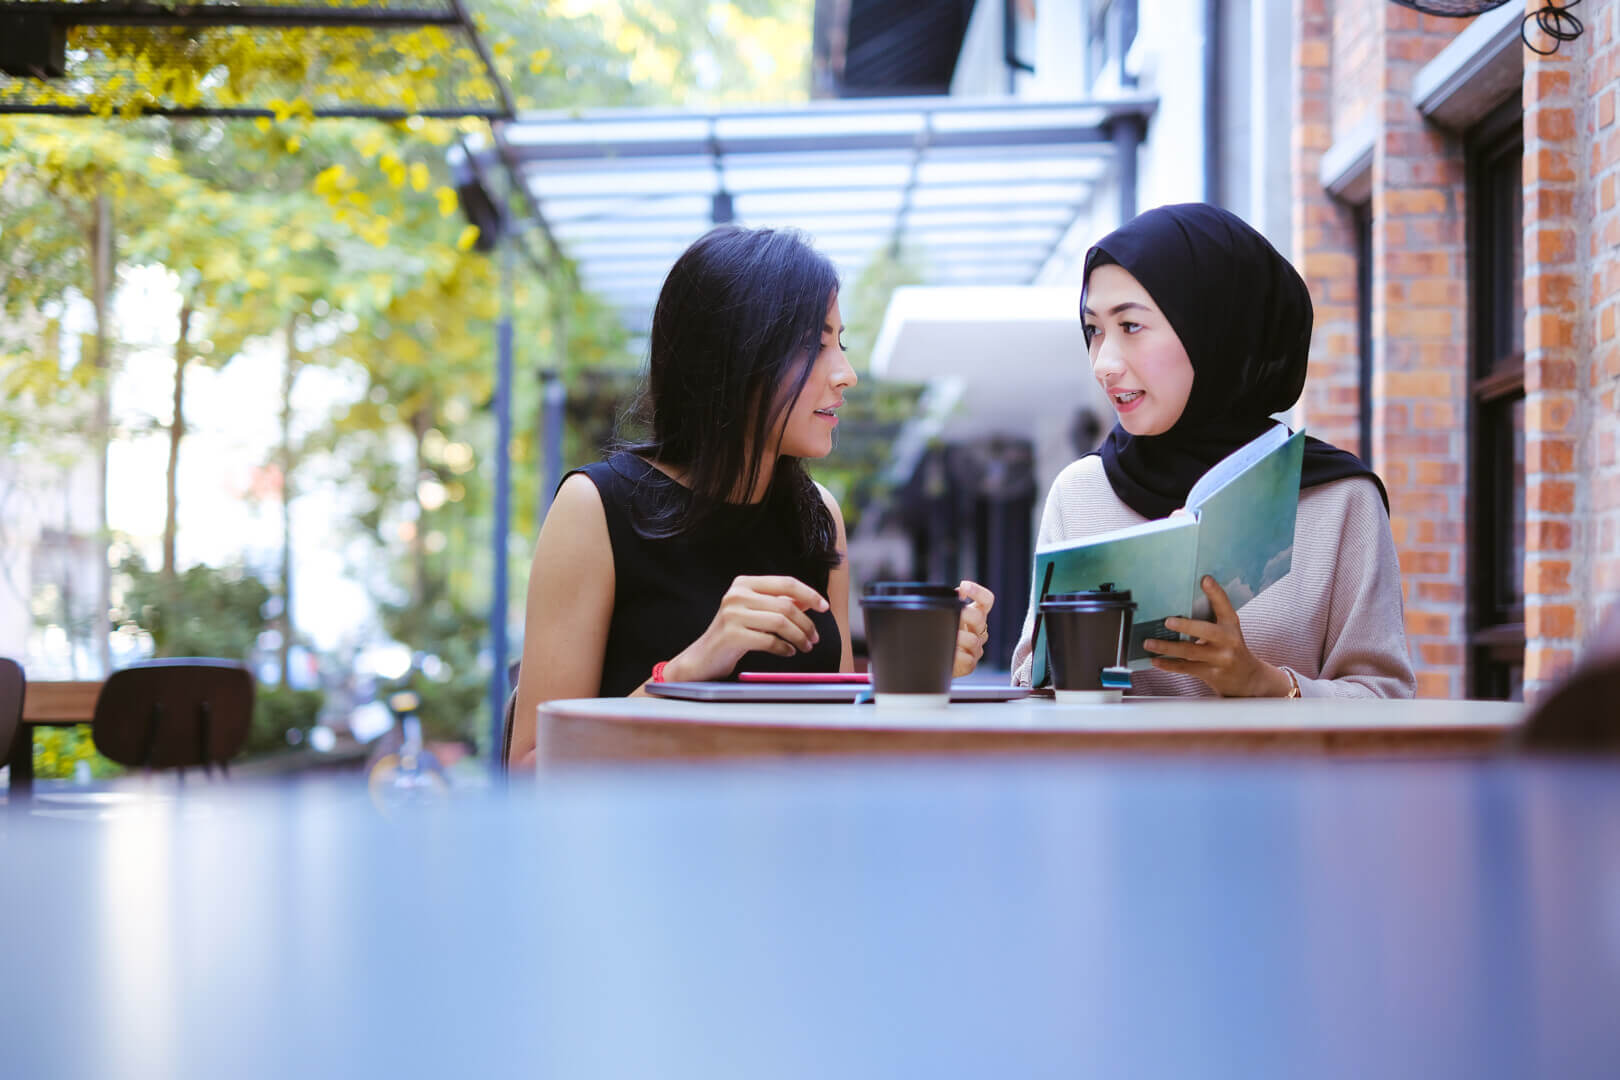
(667, 590)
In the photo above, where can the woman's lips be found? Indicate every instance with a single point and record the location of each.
(1131, 403)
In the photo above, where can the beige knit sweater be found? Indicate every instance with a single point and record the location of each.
(1334, 621)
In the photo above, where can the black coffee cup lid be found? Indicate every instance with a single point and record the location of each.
(909, 588)
(1107, 594)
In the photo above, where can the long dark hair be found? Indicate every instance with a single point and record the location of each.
(734, 336)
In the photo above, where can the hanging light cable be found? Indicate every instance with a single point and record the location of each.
(1554, 20)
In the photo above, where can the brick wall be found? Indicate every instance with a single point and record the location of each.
(1420, 351)
(1356, 53)
(1355, 63)
(1572, 356)
(1603, 276)
(1324, 231)
(1553, 363)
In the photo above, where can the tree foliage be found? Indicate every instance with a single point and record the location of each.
(349, 232)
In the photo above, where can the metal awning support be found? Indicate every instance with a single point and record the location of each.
(502, 526)
(1127, 135)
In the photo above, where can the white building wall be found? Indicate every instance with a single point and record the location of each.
(1270, 209)
(981, 67)
(1059, 53)
(17, 543)
(1168, 62)
(1237, 51)
(1168, 59)
(1054, 44)
(48, 558)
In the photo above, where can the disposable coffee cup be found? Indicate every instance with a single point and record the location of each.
(911, 641)
(1087, 634)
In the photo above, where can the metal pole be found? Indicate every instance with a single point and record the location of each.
(498, 688)
(1127, 133)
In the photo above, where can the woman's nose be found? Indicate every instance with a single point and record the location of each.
(844, 373)
(1105, 359)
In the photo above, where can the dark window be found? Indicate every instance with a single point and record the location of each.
(1496, 509)
(1364, 341)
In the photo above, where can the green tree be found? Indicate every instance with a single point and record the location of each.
(342, 241)
(75, 189)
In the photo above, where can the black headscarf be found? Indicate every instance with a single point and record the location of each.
(1244, 316)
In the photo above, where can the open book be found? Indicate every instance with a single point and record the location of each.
(1239, 530)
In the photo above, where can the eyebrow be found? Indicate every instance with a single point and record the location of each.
(827, 328)
(1117, 308)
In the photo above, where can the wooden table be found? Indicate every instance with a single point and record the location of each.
(47, 704)
(60, 703)
(650, 729)
(1057, 917)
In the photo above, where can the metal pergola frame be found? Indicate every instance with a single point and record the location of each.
(452, 15)
(666, 150)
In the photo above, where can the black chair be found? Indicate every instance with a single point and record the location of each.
(13, 689)
(1582, 716)
(174, 714)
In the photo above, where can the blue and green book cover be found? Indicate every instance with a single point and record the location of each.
(1239, 529)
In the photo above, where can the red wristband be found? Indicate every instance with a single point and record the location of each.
(658, 671)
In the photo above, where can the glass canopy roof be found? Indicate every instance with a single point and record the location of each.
(970, 192)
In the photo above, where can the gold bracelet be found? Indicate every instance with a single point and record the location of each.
(1293, 684)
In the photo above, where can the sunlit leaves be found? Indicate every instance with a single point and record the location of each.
(123, 70)
(351, 231)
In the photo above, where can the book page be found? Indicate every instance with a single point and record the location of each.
(1233, 465)
(1246, 526)
(1154, 560)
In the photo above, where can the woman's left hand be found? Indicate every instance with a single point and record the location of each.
(973, 631)
(1218, 655)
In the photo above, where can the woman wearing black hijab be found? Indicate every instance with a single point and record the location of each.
(1198, 331)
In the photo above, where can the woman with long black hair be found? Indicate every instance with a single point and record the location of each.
(1198, 332)
(707, 549)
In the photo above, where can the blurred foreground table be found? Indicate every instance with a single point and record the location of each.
(1017, 918)
(647, 729)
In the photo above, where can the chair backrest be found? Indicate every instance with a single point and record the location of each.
(174, 713)
(1582, 714)
(13, 688)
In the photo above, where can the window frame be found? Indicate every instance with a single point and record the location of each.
(1495, 623)
(1362, 220)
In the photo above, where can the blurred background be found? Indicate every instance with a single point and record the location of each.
(255, 280)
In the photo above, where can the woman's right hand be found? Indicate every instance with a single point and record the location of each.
(757, 614)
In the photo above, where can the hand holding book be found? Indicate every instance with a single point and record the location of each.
(1237, 527)
(1216, 652)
